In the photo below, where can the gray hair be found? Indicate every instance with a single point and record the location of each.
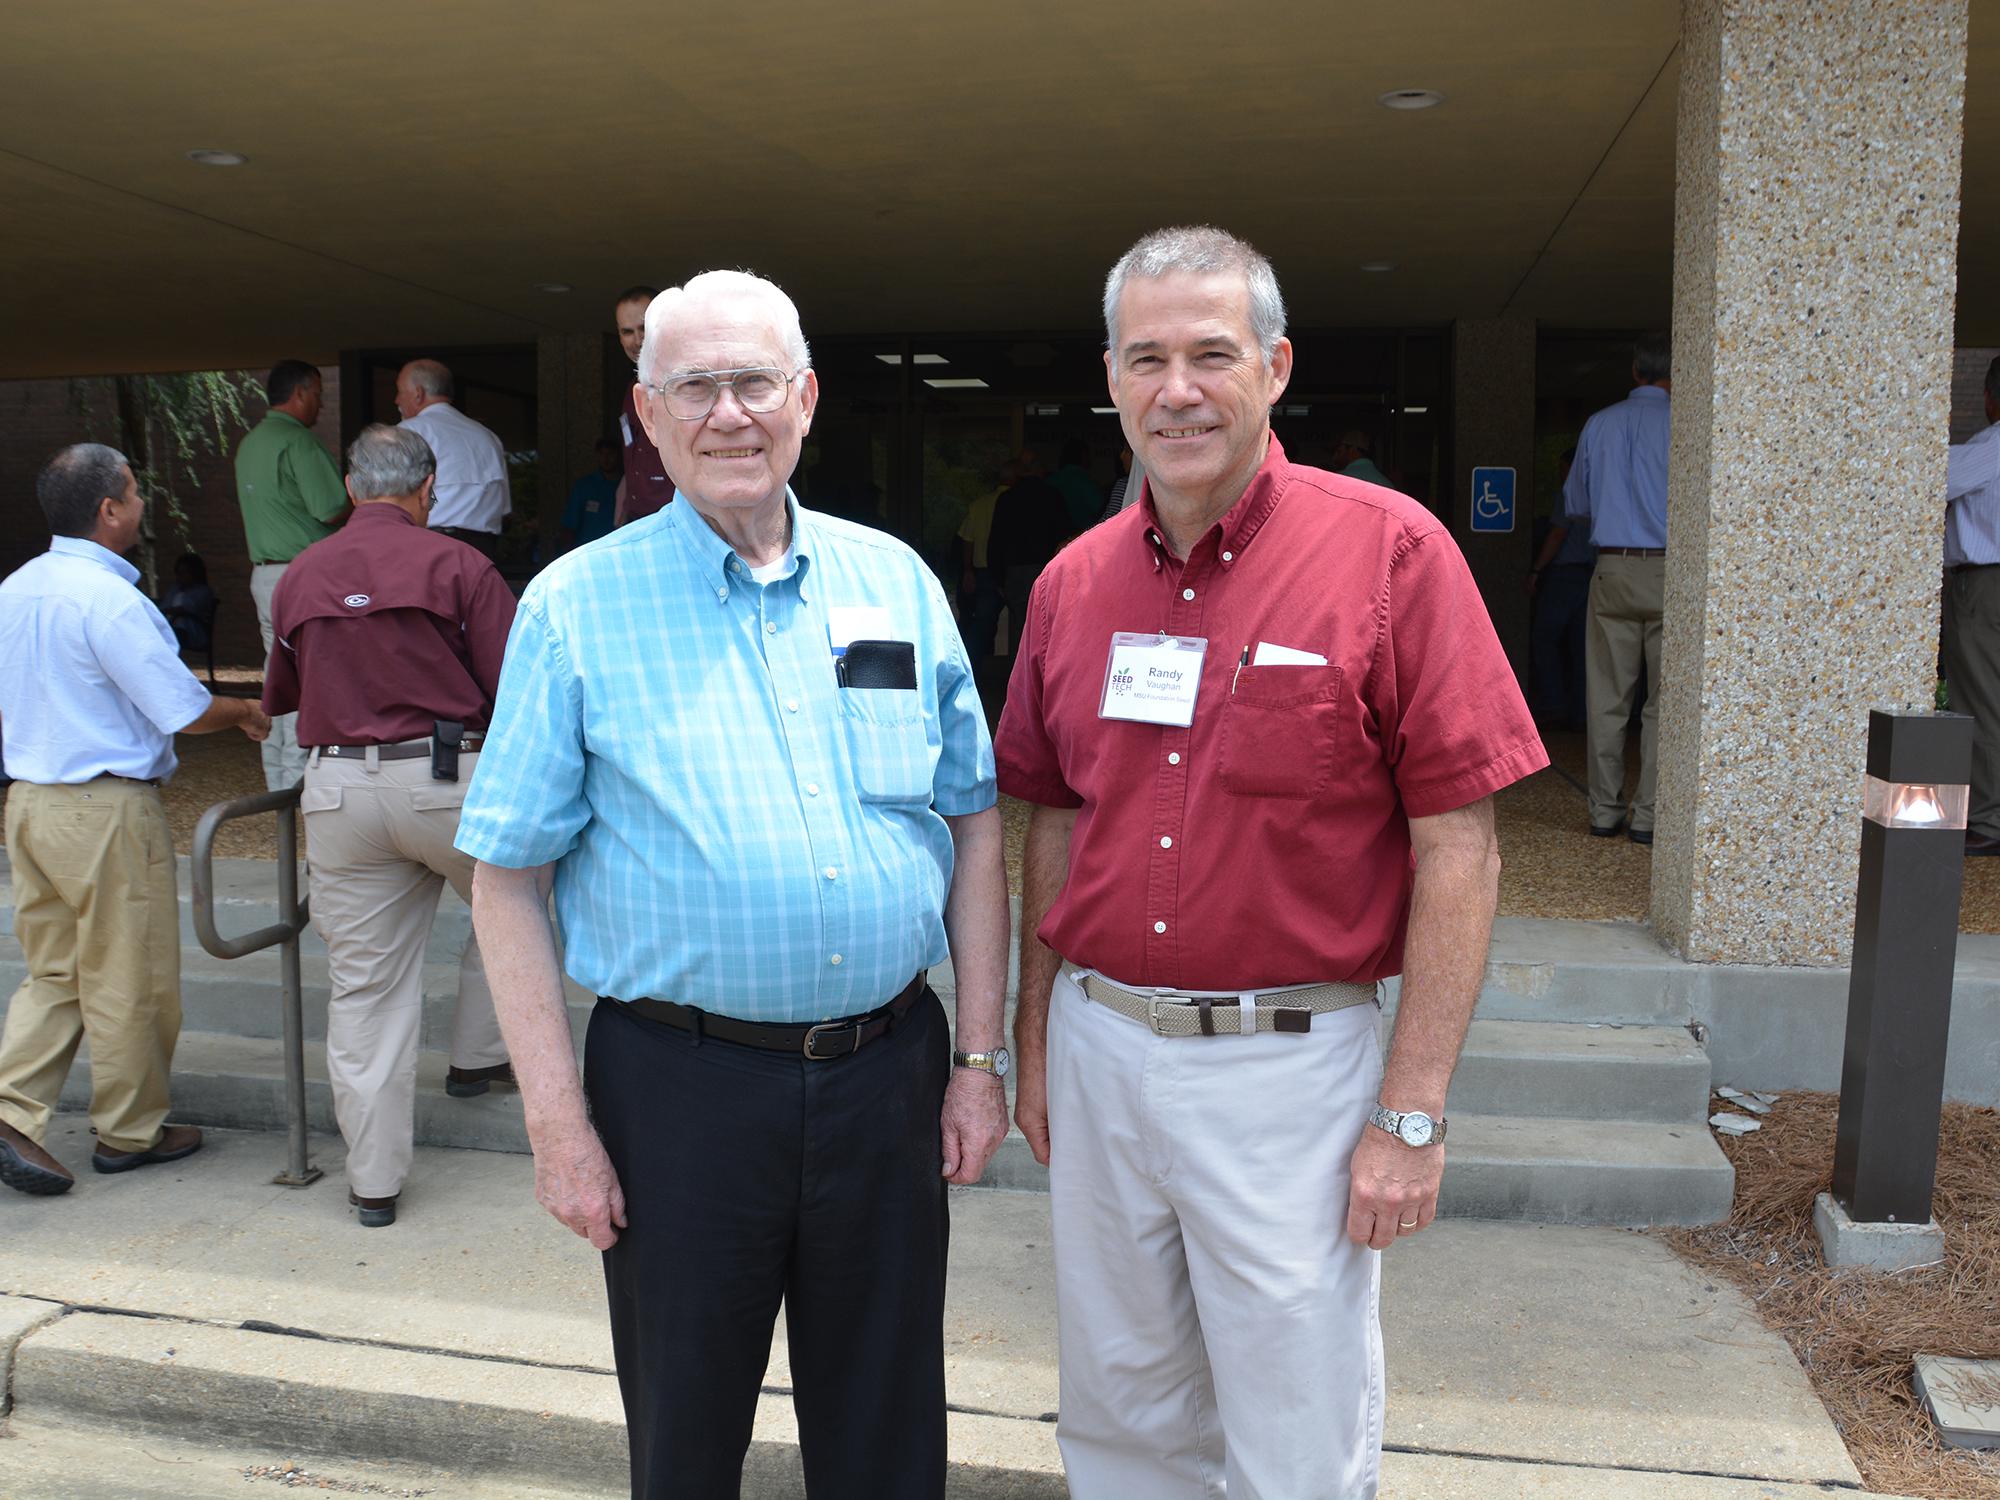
(388, 462)
(75, 482)
(673, 302)
(430, 378)
(1653, 357)
(1200, 250)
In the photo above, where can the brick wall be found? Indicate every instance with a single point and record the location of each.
(39, 416)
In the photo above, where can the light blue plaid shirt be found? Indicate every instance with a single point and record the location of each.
(731, 828)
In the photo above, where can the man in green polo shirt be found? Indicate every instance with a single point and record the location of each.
(289, 488)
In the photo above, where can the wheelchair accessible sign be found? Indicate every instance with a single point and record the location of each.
(1492, 499)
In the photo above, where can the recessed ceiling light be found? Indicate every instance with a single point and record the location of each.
(890, 359)
(1104, 411)
(957, 383)
(1044, 408)
(928, 359)
(1410, 99)
(208, 158)
(554, 286)
(1378, 265)
(1414, 411)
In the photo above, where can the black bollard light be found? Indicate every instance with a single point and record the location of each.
(1905, 943)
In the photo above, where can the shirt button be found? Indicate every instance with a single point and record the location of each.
(835, 960)
(791, 705)
(812, 788)
(1173, 757)
(830, 873)
(1166, 842)
(1187, 593)
(722, 593)
(770, 627)
(1229, 557)
(1159, 927)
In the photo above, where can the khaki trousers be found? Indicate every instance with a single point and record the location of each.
(284, 760)
(1972, 668)
(378, 845)
(1219, 1331)
(1627, 600)
(99, 924)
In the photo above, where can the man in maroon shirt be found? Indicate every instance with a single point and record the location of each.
(646, 487)
(388, 639)
(1260, 714)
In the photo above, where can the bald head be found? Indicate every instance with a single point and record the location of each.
(421, 383)
(718, 299)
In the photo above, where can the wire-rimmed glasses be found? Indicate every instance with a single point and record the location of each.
(757, 388)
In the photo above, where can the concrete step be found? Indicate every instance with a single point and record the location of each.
(1547, 1170)
(1581, 1071)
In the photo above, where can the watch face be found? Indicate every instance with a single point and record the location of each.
(1416, 1129)
(1003, 1062)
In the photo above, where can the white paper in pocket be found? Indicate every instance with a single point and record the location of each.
(856, 622)
(1269, 655)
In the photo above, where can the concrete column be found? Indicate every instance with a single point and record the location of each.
(572, 411)
(1815, 248)
(1493, 422)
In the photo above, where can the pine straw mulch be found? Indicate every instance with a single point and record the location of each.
(1857, 1333)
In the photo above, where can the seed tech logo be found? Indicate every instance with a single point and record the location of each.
(1121, 682)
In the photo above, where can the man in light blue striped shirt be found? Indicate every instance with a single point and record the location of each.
(745, 742)
(1618, 487)
(1972, 610)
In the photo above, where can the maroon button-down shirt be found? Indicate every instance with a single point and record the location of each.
(1268, 843)
(384, 627)
(647, 487)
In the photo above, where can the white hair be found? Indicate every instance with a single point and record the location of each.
(387, 460)
(1201, 250)
(672, 304)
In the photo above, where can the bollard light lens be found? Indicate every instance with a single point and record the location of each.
(1915, 804)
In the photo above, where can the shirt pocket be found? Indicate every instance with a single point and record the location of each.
(1278, 731)
(886, 743)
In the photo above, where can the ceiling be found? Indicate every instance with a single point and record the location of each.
(417, 170)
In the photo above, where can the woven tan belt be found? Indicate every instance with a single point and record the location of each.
(1179, 1013)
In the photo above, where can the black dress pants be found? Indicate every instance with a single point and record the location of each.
(756, 1177)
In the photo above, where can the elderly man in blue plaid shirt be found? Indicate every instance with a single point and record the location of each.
(744, 742)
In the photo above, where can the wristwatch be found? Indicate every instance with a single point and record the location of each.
(1411, 1127)
(996, 1062)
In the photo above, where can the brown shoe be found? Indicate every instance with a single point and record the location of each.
(27, 1168)
(175, 1142)
(470, 1083)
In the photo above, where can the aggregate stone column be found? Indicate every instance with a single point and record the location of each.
(570, 416)
(1815, 252)
(1493, 423)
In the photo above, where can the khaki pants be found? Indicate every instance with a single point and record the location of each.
(378, 846)
(284, 760)
(1972, 667)
(99, 925)
(1627, 599)
(1218, 1328)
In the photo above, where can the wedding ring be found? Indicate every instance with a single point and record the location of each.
(1406, 1223)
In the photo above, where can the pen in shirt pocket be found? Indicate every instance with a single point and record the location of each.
(1241, 662)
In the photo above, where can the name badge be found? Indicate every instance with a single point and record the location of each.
(1152, 679)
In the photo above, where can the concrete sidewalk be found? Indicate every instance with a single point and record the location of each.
(199, 1303)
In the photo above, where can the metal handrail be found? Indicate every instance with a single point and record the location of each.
(284, 933)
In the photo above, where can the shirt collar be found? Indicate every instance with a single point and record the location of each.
(284, 416)
(714, 557)
(370, 508)
(89, 551)
(1647, 393)
(1239, 527)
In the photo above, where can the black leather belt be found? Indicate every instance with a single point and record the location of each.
(1631, 551)
(817, 1043)
(400, 750)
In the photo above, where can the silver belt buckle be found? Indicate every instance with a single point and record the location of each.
(1159, 998)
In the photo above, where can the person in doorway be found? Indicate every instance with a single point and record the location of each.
(1617, 488)
(593, 499)
(1206, 726)
(189, 606)
(1559, 585)
(1122, 492)
(288, 488)
(1030, 526)
(979, 593)
(645, 487)
(92, 691)
(389, 645)
(1972, 611)
(472, 499)
(1080, 493)
(744, 743)
(1351, 459)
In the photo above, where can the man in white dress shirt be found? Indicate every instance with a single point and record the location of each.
(92, 691)
(473, 500)
(1972, 611)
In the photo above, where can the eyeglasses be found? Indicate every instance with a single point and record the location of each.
(692, 397)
